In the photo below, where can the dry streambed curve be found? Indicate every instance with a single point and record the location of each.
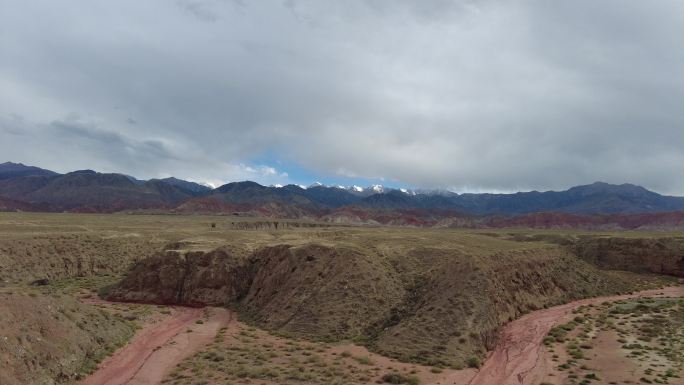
(519, 356)
(157, 348)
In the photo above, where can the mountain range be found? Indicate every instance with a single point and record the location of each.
(29, 188)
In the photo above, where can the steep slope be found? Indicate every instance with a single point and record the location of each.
(285, 202)
(431, 305)
(641, 255)
(555, 220)
(453, 311)
(218, 277)
(597, 198)
(9, 170)
(254, 193)
(321, 292)
(14, 205)
(328, 196)
(53, 339)
(390, 200)
(191, 188)
(20, 188)
(91, 191)
(87, 190)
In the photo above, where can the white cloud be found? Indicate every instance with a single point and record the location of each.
(488, 95)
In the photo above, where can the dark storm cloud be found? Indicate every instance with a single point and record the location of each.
(483, 95)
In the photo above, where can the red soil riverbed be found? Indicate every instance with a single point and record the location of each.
(519, 357)
(157, 348)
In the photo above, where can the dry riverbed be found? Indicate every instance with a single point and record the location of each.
(522, 356)
(597, 340)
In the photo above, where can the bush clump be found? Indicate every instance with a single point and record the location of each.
(396, 378)
(473, 362)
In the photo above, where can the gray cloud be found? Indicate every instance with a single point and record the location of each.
(474, 95)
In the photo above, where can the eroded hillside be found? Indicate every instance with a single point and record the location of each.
(435, 297)
(653, 255)
(53, 339)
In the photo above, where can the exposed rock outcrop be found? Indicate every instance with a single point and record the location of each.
(435, 306)
(218, 277)
(652, 255)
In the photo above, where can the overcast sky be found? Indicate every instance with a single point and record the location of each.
(470, 95)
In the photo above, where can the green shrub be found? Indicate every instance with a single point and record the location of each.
(365, 360)
(473, 362)
(396, 378)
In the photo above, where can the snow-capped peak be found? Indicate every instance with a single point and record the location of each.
(377, 188)
(301, 186)
(357, 188)
(278, 185)
(316, 184)
(407, 191)
(208, 184)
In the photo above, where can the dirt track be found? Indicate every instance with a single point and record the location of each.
(158, 348)
(518, 358)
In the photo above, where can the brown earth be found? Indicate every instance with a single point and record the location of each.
(78, 255)
(652, 255)
(638, 340)
(519, 357)
(7, 204)
(88, 191)
(50, 339)
(607, 357)
(432, 296)
(556, 220)
(158, 347)
(244, 354)
(400, 302)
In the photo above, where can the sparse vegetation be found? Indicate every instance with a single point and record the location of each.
(252, 354)
(77, 336)
(649, 331)
(396, 378)
(388, 289)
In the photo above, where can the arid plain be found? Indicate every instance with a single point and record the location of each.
(189, 299)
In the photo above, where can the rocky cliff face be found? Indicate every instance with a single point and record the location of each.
(652, 255)
(196, 278)
(443, 307)
(316, 290)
